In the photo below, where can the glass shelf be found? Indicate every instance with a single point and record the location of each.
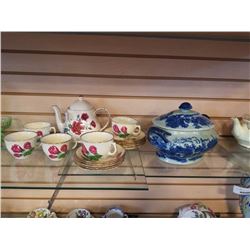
(38, 172)
(226, 160)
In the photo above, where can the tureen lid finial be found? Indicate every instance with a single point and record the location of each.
(183, 118)
(185, 106)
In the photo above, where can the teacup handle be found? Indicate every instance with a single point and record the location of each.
(137, 130)
(109, 117)
(115, 149)
(53, 129)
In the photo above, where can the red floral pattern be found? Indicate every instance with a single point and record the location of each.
(22, 151)
(93, 124)
(52, 156)
(85, 116)
(27, 145)
(91, 153)
(116, 129)
(64, 148)
(84, 150)
(53, 150)
(77, 127)
(39, 133)
(17, 155)
(93, 150)
(124, 129)
(122, 132)
(16, 148)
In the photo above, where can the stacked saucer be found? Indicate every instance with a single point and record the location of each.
(102, 164)
(131, 142)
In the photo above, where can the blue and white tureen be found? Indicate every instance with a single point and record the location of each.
(182, 136)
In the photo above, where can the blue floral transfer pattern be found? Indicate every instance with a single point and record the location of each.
(245, 199)
(181, 149)
(185, 120)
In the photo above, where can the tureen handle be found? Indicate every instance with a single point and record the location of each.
(108, 116)
(158, 137)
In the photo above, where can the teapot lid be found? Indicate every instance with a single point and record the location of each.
(80, 105)
(184, 118)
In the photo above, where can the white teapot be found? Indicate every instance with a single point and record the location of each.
(241, 132)
(80, 118)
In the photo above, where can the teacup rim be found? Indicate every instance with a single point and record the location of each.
(112, 137)
(55, 143)
(124, 123)
(19, 132)
(25, 125)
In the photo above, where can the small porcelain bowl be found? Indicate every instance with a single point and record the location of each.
(115, 212)
(196, 210)
(80, 213)
(20, 144)
(56, 146)
(41, 213)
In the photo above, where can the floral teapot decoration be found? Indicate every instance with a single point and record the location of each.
(80, 117)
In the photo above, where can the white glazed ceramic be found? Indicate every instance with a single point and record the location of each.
(241, 131)
(80, 118)
(55, 146)
(123, 126)
(79, 213)
(41, 213)
(196, 210)
(98, 145)
(41, 128)
(20, 144)
(115, 212)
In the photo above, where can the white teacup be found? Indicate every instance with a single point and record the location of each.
(124, 126)
(55, 146)
(98, 145)
(41, 128)
(20, 144)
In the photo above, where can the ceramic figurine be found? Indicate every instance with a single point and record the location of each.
(182, 136)
(241, 132)
(80, 117)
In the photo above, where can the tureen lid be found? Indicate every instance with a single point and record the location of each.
(183, 118)
(80, 105)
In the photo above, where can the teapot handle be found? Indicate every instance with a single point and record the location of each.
(108, 116)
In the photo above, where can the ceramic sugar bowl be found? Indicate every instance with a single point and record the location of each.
(182, 136)
(80, 117)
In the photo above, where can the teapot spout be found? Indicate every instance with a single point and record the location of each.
(59, 122)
